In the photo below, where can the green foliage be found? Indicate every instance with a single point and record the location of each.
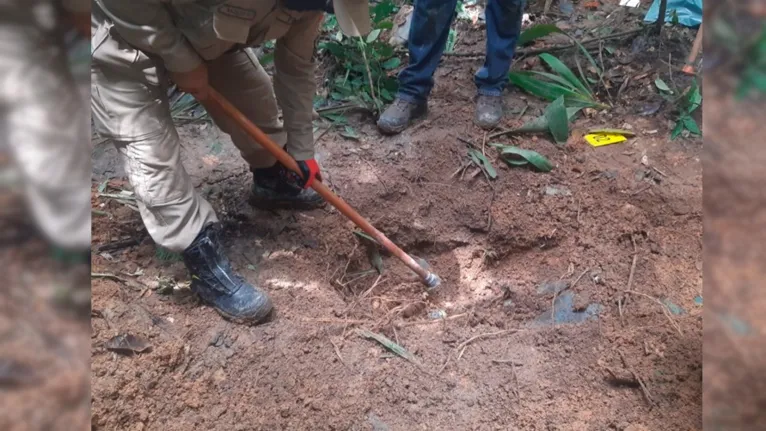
(363, 65)
(515, 156)
(754, 74)
(685, 104)
(551, 86)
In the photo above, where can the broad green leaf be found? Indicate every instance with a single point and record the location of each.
(622, 132)
(662, 86)
(373, 35)
(349, 132)
(536, 32)
(691, 125)
(556, 78)
(557, 66)
(334, 48)
(384, 50)
(515, 156)
(391, 63)
(483, 163)
(337, 119)
(558, 124)
(550, 91)
(386, 95)
(677, 130)
(383, 10)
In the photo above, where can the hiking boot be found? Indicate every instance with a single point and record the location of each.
(218, 285)
(278, 187)
(399, 115)
(489, 111)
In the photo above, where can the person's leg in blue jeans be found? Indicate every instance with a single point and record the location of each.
(429, 30)
(503, 28)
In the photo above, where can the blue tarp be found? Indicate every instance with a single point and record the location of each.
(689, 12)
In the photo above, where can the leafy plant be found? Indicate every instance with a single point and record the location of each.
(361, 75)
(551, 86)
(685, 104)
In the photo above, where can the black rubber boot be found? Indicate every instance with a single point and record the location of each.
(278, 187)
(399, 115)
(216, 283)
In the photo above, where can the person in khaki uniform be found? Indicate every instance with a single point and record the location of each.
(200, 44)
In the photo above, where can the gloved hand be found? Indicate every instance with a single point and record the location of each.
(310, 171)
(194, 82)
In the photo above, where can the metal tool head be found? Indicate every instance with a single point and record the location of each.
(432, 280)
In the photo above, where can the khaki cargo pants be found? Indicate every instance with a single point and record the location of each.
(44, 122)
(130, 106)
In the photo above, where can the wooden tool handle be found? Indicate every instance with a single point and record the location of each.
(216, 101)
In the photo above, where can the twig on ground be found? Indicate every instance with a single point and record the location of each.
(108, 276)
(336, 321)
(515, 380)
(638, 378)
(388, 344)
(350, 256)
(117, 245)
(484, 145)
(462, 346)
(506, 361)
(337, 352)
(664, 307)
(632, 273)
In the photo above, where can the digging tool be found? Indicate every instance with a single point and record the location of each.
(689, 66)
(216, 102)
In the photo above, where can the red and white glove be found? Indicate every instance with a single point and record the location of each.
(310, 171)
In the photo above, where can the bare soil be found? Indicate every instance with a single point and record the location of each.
(498, 361)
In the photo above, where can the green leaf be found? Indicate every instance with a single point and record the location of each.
(557, 66)
(385, 25)
(373, 35)
(556, 78)
(516, 156)
(337, 119)
(550, 91)
(558, 124)
(383, 10)
(349, 132)
(540, 124)
(536, 32)
(662, 86)
(334, 48)
(483, 163)
(677, 130)
(387, 96)
(384, 50)
(622, 132)
(451, 40)
(391, 63)
(691, 125)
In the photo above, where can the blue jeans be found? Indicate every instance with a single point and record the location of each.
(431, 22)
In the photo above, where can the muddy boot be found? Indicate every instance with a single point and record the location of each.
(278, 187)
(399, 115)
(218, 285)
(489, 111)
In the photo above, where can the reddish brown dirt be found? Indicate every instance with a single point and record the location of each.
(307, 369)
